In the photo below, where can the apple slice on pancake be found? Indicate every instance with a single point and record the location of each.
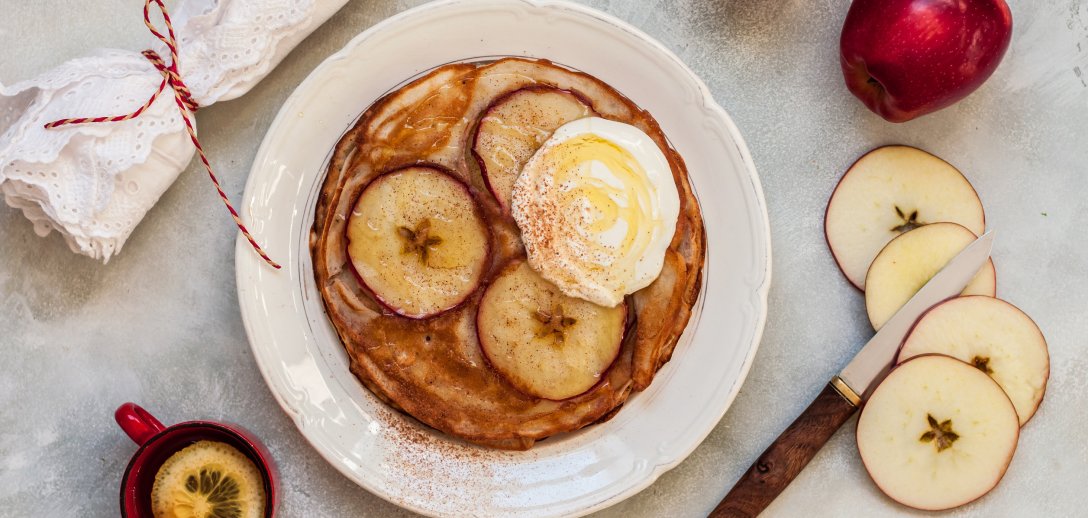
(543, 342)
(417, 241)
(514, 126)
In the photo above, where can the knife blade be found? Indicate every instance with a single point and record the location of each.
(794, 448)
(873, 362)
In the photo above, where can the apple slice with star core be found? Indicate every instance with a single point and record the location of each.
(909, 261)
(994, 336)
(888, 191)
(937, 433)
(543, 342)
(417, 241)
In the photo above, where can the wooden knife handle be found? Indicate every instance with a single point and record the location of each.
(786, 456)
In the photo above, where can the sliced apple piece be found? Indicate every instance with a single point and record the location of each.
(937, 433)
(417, 241)
(888, 191)
(515, 126)
(994, 336)
(909, 261)
(543, 342)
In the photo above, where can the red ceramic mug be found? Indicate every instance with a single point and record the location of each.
(157, 443)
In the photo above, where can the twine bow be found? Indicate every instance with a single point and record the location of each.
(184, 98)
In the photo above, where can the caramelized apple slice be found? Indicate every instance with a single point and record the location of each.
(544, 343)
(515, 126)
(417, 241)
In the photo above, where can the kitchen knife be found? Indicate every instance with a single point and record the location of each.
(847, 391)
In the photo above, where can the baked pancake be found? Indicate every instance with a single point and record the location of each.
(432, 366)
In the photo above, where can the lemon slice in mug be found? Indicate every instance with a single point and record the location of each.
(208, 479)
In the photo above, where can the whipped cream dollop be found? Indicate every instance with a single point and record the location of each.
(597, 207)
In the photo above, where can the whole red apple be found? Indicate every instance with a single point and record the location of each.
(905, 58)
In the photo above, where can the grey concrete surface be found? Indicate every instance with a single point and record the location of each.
(160, 323)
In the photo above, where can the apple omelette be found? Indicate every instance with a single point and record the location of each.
(507, 250)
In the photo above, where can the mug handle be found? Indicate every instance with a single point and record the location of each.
(137, 423)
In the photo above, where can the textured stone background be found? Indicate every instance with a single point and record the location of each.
(160, 323)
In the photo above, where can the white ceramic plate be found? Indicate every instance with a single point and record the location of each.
(391, 455)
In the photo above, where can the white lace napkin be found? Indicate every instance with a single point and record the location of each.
(93, 183)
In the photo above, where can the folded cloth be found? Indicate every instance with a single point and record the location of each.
(93, 183)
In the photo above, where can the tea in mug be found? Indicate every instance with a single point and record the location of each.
(208, 479)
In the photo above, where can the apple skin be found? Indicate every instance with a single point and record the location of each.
(906, 58)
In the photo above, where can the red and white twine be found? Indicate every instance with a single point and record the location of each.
(186, 104)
